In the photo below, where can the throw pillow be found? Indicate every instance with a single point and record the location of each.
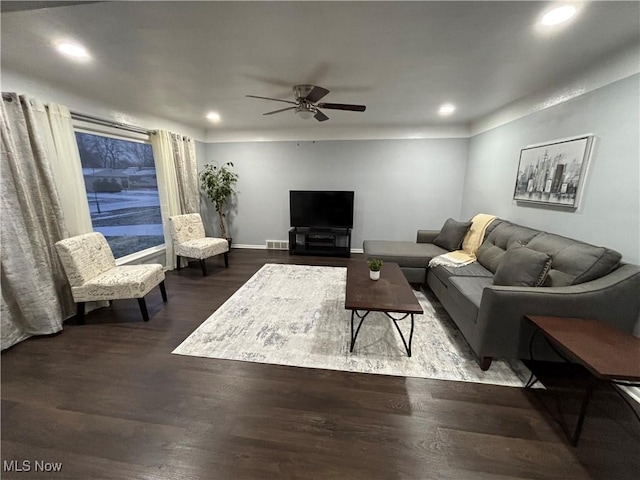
(452, 234)
(520, 266)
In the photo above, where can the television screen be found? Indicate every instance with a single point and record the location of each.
(323, 209)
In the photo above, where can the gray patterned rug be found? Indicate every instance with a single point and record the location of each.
(294, 315)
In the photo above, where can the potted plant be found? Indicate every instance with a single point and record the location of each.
(218, 182)
(374, 268)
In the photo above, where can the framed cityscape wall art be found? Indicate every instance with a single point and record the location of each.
(553, 173)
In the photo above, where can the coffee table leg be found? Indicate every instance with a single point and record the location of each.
(411, 335)
(583, 411)
(353, 337)
(395, 320)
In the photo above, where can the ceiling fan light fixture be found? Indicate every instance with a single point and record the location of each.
(305, 113)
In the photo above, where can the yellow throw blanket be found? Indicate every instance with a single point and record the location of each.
(470, 244)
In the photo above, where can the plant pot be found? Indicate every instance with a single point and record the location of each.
(374, 275)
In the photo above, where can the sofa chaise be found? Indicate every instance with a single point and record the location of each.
(580, 280)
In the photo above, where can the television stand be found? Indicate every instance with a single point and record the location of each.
(334, 242)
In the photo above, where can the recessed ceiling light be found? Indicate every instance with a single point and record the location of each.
(213, 117)
(73, 50)
(447, 109)
(558, 15)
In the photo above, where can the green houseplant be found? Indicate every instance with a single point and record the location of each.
(219, 182)
(374, 265)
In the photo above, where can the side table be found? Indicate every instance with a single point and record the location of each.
(605, 352)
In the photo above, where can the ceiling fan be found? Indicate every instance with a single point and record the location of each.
(306, 104)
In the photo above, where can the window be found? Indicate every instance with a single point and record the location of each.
(122, 191)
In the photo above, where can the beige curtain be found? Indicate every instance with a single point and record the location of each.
(35, 293)
(184, 157)
(56, 129)
(67, 171)
(167, 187)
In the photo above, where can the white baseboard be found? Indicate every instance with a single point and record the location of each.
(246, 245)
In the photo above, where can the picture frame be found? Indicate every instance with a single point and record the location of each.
(553, 173)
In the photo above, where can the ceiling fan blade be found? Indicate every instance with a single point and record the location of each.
(316, 94)
(274, 99)
(281, 110)
(321, 117)
(343, 106)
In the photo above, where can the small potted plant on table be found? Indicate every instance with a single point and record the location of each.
(374, 268)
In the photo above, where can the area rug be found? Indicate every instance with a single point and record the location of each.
(295, 315)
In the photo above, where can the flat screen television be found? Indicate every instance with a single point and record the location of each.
(321, 209)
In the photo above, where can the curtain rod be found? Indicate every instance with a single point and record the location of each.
(110, 123)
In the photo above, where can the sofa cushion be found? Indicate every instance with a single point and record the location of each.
(501, 237)
(470, 293)
(405, 254)
(474, 269)
(522, 266)
(573, 262)
(452, 234)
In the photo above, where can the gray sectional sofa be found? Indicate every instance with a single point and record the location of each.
(583, 281)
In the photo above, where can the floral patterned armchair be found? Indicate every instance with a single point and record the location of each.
(189, 240)
(93, 275)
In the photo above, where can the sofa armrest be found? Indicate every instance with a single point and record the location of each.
(612, 299)
(427, 236)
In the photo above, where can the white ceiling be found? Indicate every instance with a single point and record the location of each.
(178, 60)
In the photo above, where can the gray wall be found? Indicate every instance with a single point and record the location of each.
(201, 153)
(609, 214)
(400, 185)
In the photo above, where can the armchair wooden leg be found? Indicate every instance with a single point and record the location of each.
(80, 313)
(177, 262)
(226, 259)
(163, 291)
(143, 309)
(203, 266)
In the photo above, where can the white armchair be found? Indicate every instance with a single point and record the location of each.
(189, 240)
(93, 275)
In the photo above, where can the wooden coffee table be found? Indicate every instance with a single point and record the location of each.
(390, 294)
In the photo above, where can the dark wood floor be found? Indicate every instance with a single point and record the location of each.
(110, 401)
